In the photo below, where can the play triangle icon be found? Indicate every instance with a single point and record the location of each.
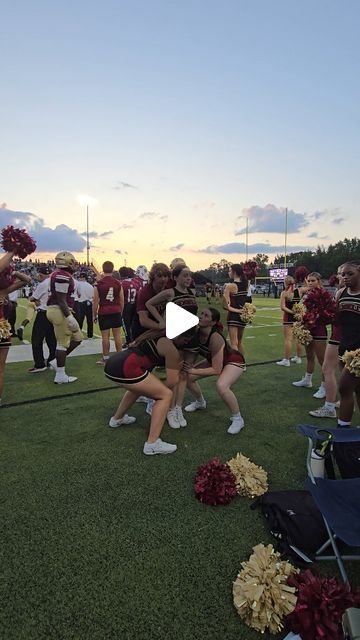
(178, 320)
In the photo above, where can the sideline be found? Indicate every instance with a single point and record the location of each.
(9, 405)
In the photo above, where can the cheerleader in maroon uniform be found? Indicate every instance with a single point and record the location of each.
(9, 281)
(220, 360)
(235, 295)
(318, 344)
(349, 323)
(182, 295)
(330, 364)
(132, 369)
(288, 298)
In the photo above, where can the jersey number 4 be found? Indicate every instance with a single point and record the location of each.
(110, 294)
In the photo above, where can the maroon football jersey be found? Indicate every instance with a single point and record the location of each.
(109, 290)
(61, 282)
(131, 288)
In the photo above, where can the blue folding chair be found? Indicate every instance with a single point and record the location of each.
(337, 500)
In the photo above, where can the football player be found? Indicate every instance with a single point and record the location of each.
(107, 309)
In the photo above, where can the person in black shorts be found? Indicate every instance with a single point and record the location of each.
(235, 295)
(349, 323)
(132, 369)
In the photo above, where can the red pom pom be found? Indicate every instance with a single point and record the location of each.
(320, 307)
(6, 277)
(320, 605)
(250, 269)
(18, 241)
(301, 273)
(215, 483)
(334, 280)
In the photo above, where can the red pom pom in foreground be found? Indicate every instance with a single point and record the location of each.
(333, 280)
(214, 483)
(320, 307)
(6, 277)
(320, 605)
(18, 241)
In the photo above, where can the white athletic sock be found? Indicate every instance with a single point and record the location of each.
(329, 405)
(308, 377)
(61, 371)
(322, 385)
(236, 416)
(106, 357)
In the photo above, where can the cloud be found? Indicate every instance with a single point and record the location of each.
(49, 239)
(240, 247)
(123, 185)
(148, 214)
(177, 247)
(271, 219)
(121, 253)
(315, 234)
(95, 234)
(164, 218)
(126, 226)
(338, 220)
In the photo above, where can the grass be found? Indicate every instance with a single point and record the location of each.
(100, 542)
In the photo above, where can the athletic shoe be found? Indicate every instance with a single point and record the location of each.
(180, 417)
(151, 449)
(172, 419)
(320, 393)
(197, 405)
(236, 425)
(20, 333)
(101, 362)
(284, 363)
(337, 404)
(323, 412)
(64, 379)
(124, 420)
(303, 383)
(37, 369)
(296, 360)
(149, 406)
(52, 364)
(142, 399)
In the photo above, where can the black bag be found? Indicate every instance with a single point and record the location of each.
(295, 521)
(347, 456)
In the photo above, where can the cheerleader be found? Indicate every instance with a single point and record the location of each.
(330, 364)
(288, 298)
(349, 323)
(8, 283)
(235, 295)
(317, 346)
(220, 360)
(131, 370)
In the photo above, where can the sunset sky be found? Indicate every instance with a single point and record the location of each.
(181, 118)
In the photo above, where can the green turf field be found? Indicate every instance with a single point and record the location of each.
(98, 541)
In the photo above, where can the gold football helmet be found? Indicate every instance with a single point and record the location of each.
(176, 262)
(65, 260)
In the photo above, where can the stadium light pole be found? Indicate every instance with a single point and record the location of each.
(86, 201)
(285, 243)
(246, 235)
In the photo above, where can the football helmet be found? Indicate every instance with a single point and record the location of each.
(142, 272)
(65, 260)
(176, 262)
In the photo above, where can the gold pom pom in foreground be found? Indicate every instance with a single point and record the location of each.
(301, 334)
(5, 329)
(352, 361)
(299, 310)
(248, 311)
(250, 479)
(261, 595)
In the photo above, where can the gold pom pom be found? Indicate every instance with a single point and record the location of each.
(247, 312)
(5, 329)
(299, 310)
(301, 334)
(250, 479)
(261, 595)
(352, 361)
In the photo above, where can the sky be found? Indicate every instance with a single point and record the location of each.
(184, 122)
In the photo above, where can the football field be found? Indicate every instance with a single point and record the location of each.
(98, 541)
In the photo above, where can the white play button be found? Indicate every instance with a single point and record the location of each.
(178, 320)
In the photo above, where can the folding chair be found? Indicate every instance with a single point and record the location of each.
(337, 500)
